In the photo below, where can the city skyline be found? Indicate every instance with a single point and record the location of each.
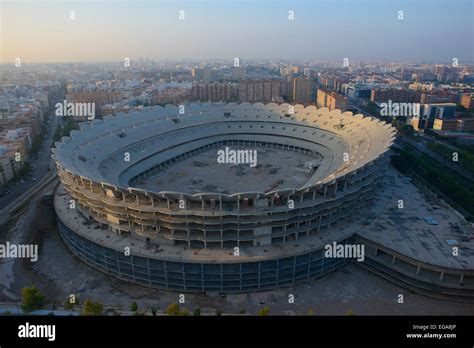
(236, 159)
(43, 32)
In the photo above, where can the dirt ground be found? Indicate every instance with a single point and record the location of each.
(275, 170)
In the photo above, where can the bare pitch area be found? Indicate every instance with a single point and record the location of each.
(275, 169)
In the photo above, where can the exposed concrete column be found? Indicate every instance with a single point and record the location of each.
(418, 269)
(376, 251)
(461, 279)
(441, 276)
(325, 190)
(393, 259)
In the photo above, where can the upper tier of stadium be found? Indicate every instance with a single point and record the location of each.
(342, 141)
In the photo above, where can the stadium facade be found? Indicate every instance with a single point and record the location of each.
(214, 241)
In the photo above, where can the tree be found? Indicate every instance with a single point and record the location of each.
(264, 311)
(310, 312)
(31, 299)
(24, 170)
(57, 134)
(134, 307)
(92, 308)
(218, 312)
(172, 309)
(350, 312)
(197, 312)
(153, 311)
(64, 130)
(407, 129)
(373, 109)
(68, 305)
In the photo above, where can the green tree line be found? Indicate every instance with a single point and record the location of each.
(459, 191)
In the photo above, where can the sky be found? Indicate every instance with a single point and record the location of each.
(107, 30)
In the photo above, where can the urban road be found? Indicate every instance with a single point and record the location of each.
(42, 167)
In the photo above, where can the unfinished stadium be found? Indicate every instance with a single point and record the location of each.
(143, 198)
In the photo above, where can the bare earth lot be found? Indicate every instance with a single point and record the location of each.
(275, 169)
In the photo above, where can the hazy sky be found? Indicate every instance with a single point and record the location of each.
(432, 30)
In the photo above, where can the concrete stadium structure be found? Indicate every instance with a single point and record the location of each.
(188, 242)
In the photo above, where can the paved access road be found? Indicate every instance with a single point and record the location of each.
(39, 167)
